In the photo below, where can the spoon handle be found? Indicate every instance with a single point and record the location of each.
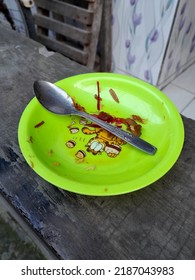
(124, 135)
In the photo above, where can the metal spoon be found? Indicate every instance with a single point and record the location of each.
(58, 101)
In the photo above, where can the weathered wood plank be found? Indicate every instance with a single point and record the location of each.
(87, 34)
(43, 12)
(70, 51)
(95, 29)
(62, 28)
(67, 10)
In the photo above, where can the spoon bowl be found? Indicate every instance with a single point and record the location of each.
(54, 98)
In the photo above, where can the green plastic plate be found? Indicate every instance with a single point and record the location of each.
(70, 154)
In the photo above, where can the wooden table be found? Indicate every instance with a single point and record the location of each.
(157, 222)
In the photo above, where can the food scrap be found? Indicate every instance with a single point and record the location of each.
(97, 97)
(138, 118)
(114, 95)
(50, 153)
(32, 164)
(30, 140)
(130, 123)
(91, 168)
(133, 127)
(78, 106)
(56, 163)
(39, 124)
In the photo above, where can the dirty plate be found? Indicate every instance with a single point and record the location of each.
(69, 153)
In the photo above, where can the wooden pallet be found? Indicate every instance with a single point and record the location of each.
(70, 27)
